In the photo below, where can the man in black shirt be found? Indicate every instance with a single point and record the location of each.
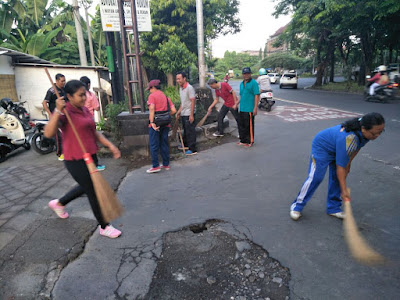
(49, 104)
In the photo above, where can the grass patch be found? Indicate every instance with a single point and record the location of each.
(346, 86)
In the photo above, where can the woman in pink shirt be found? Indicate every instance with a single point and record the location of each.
(158, 135)
(83, 121)
(92, 103)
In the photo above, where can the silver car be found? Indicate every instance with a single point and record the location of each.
(273, 77)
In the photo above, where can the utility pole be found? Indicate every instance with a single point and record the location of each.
(86, 4)
(79, 34)
(200, 43)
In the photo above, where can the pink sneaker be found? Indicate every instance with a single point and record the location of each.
(58, 209)
(153, 170)
(248, 145)
(166, 168)
(240, 144)
(110, 232)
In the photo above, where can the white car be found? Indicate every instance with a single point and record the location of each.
(394, 72)
(288, 79)
(273, 77)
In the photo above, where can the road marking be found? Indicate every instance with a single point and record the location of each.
(387, 163)
(308, 112)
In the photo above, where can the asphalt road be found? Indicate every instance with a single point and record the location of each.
(253, 189)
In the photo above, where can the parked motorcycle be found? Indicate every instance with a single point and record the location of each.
(39, 142)
(382, 94)
(266, 100)
(12, 130)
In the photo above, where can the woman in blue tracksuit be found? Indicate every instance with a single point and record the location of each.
(336, 147)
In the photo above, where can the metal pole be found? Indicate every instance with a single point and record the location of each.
(200, 43)
(79, 34)
(124, 46)
(137, 55)
(89, 32)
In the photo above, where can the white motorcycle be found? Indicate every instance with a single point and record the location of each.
(12, 132)
(266, 100)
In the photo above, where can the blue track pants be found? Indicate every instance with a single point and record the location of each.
(159, 143)
(316, 174)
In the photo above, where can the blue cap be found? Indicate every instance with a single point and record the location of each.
(246, 70)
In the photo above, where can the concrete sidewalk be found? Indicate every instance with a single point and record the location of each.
(35, 245)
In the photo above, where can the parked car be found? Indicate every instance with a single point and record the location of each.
(288, 79)
(273, 77)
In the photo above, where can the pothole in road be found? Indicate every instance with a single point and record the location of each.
(212, 260)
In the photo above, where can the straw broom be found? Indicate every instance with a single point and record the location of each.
(110, 206)
(175, 128)
(203, 120)
(358, 247)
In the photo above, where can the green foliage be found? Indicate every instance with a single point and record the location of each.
(235, 61)
(36, 8)
(179, 18)
(173, 55)
(112, 111)
(358, 31)
(101, 125)
(65, 54)
(346, 86)
(99, 42)
(282, 60)
(43, 28)
(172, 92)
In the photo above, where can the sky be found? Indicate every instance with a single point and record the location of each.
(257, 25)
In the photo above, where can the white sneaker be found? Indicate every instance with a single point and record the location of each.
(339, 215)
(217, 133)
(295, 215)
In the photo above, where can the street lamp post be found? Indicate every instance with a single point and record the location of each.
(200, 43)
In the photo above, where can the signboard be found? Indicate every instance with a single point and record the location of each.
(110, 16)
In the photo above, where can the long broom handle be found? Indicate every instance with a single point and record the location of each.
(66, 113)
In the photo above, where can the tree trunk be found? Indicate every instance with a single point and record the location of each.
(320, 74)
(332, 67)
(170, 78)
(390, 54)
(320, 66)
(367, 54)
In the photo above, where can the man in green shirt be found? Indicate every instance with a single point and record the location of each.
(249, 97)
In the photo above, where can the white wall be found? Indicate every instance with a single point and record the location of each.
(5, 65)
(32, 83)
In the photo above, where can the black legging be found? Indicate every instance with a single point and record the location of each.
(79, 171)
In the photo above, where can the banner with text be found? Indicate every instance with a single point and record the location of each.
(110, 16)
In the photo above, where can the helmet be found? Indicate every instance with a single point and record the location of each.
(6, 103)
(262, 71)
(382, 68)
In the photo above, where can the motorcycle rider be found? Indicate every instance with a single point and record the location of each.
(263, 81)
(379, 79)
(226, 78)
(49, 104)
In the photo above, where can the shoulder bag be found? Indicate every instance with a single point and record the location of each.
(163, 118)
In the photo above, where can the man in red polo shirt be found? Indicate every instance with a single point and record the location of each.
(225, 91)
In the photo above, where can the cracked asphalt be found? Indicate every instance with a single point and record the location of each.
(251, 189)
